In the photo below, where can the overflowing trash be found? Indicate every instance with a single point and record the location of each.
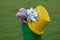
(32, 14)
(25, 15)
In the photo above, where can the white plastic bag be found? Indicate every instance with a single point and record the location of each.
(32, 14)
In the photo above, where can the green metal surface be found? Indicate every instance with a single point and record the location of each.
(28, 34)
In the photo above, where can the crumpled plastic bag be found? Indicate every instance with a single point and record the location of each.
(32, 14)
(22, 15)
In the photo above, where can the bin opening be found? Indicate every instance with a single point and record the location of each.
(43, 20)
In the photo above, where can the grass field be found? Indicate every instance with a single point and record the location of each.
(10, 28)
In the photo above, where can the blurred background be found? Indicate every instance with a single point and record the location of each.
(10, 28)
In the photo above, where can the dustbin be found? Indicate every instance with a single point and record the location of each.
(34, 30)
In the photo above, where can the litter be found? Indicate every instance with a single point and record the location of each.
(30, 14)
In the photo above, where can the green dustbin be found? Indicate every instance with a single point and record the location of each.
(28, 34)
(32, 30)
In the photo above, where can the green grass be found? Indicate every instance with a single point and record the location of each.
(10, 28)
